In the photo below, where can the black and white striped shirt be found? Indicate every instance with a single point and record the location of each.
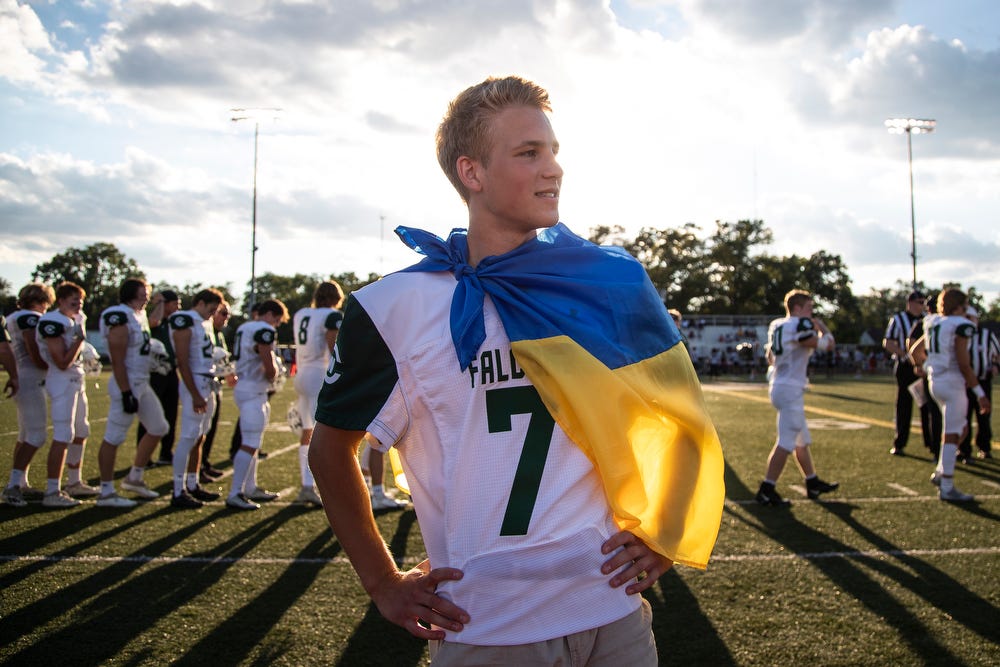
(899, 328)
(984, 351)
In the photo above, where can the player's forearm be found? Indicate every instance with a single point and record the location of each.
(346, 502)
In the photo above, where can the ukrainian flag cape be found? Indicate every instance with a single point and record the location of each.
(593, 336)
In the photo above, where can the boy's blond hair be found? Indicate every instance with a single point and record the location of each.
(796, 298)
(465, 129)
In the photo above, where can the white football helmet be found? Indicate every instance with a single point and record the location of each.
(222, 363)
(91, 360)
(295, 419)
(280, 376)
(159, 360)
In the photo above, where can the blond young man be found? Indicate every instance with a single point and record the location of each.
(60, 335)
(791, 340)
(33, 300)
(554, 570)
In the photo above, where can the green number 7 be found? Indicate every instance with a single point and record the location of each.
(501, 404)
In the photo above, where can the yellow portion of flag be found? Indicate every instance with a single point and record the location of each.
(647, 431)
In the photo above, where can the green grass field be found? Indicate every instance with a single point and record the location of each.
(879, 573)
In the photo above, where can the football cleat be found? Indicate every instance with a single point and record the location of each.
(308, 496)
(767, 495)
(240, 502)
(953, 495)
(816, 486)
(81, 490)
(114, 500)
(201, 494)
(59, 499)
(139, 488)
(383, 502)
(185, 502)
(13, 497)
(262, 495)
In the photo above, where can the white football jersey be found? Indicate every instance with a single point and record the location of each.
(202, 339)
(500, 490)
(310, 326)
(940, 334)
(137, 348)
(19, 322)
(791, 358)
(249, 368)
(50, 325)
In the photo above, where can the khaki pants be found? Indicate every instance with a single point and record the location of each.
(624, 643)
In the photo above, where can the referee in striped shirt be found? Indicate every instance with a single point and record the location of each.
(984, 352)
(894, 343)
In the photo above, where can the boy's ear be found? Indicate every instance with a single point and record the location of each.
(469, 173)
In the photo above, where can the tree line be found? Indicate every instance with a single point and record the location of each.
(725, 272)
(729, 272)
(101, 268)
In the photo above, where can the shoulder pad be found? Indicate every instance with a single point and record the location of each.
(51, 329)
(27, 321)
(265, 336)
(114, 318)
(180, 321)
(966, 330)
(805, 324)
(334, 319)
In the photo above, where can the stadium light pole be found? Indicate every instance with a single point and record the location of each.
(250, 115)
(911, 126)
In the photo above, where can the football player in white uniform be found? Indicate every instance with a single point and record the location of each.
(790, 342)
(33, 300)
(126, 329)
(256, 368)
(221, 362)
(943, 350)
(493, 583)
(60, 334)
(193, 340)
(315, 330)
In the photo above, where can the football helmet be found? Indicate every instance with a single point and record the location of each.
(91, 360)
(159, 360)
(295, 419)
(280, 375)
(222, 363)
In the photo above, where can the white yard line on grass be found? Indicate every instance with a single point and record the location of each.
(848, 499)
(413, 560)
(903, 489)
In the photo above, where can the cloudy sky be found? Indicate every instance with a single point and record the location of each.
(115, 125)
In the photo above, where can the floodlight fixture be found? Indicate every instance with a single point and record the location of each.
(911, 126)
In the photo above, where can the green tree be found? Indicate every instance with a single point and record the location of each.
(296, 292)
(99, 269)
(8, 299)
(736, 279)
(676, 262)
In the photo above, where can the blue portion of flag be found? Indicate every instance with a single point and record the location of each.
(556, 284)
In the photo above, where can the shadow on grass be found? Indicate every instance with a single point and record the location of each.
(114, 606)
(684, 634)
(253, 622)
(923, 579)
(842, 397)
(376, 641)
(55, 532)
(782, 526)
